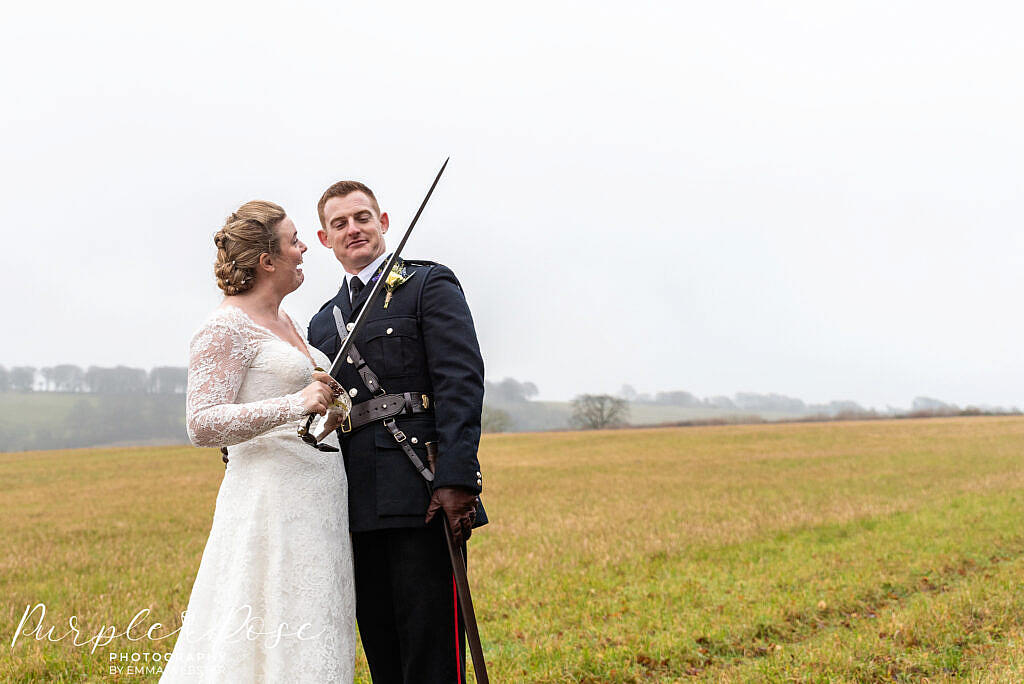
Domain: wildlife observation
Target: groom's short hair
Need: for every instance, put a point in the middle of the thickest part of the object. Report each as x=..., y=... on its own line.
x=341, y=189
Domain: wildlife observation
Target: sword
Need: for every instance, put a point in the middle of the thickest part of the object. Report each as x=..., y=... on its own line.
x=458, y=561
x=304, y=431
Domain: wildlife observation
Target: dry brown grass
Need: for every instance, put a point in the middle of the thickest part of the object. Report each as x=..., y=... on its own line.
x=618, y=556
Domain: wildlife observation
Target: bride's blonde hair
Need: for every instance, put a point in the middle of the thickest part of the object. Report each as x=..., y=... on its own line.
x=249, y=232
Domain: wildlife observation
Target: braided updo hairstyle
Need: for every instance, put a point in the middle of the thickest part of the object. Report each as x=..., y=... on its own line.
x=247, y=233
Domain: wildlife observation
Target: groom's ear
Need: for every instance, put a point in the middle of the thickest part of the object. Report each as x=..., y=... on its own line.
x=322, y=234
x=384, y=222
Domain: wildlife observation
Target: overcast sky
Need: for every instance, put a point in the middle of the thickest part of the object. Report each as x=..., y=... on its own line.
x=817, y=199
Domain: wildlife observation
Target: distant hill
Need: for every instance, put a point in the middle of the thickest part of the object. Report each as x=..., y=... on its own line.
x=63, y=420
x=554, y=415
x=60, y=420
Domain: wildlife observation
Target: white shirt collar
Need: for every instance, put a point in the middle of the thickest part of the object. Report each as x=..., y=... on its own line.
x=366, y=273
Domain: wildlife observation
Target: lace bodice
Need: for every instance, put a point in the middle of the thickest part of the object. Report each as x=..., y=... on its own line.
x=242, y=380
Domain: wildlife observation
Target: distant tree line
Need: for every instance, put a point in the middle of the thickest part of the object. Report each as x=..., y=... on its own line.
x=60, y=421
x=509, y=390
x=508, y=406
x=741, y=401
x=503, y=399
x=94, y=379
x=751, y=403
x=169, y=380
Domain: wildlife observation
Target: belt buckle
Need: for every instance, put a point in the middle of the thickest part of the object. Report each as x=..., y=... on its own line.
x=426, y=401
x=348, y=421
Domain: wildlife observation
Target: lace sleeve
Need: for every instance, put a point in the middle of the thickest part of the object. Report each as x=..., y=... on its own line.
x=218, y=359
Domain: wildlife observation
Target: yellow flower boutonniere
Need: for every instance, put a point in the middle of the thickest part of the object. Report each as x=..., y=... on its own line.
x=396, y=279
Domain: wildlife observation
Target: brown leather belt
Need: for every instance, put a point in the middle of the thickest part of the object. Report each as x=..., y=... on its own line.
x=384, y=407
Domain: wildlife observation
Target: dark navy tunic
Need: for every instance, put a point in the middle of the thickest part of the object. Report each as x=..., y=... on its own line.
x=424, y=342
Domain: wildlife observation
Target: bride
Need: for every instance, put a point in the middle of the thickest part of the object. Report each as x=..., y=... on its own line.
x=274, y=599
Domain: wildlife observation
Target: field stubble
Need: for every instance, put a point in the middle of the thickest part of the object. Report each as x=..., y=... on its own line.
x=862, y=551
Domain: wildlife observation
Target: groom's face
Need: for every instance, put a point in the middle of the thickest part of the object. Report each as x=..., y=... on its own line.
x=354, y=231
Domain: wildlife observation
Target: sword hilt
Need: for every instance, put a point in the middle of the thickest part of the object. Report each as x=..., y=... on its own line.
x=304, y=430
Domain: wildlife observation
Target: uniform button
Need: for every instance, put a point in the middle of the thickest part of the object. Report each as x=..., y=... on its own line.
x=479, y=483
x=349, y=359
x=414, y=440
x=349, y=326
x=353, y=392
x=390, y=330
x=478, y=473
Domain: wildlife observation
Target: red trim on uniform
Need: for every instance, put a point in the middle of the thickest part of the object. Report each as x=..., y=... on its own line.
x=458, y=656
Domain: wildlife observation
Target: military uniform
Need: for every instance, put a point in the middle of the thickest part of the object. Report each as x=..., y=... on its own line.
x=423, y=346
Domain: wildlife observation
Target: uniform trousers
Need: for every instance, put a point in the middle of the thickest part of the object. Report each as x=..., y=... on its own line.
x=407, y=607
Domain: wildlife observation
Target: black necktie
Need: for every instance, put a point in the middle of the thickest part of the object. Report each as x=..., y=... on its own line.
x=355, y=287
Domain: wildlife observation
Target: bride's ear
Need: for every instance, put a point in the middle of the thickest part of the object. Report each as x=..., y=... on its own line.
x=266, y=262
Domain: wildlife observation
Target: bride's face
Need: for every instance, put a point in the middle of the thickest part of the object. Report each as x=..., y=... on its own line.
x=287, y=265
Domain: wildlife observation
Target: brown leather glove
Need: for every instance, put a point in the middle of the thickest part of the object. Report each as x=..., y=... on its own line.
x=460, y=508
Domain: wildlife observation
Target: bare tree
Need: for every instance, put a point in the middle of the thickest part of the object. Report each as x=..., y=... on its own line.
x=596, y=411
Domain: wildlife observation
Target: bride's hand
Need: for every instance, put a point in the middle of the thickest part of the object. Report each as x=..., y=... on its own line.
x=318, y=395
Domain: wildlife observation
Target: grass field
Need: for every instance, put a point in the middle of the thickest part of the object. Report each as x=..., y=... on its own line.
x=855, y=551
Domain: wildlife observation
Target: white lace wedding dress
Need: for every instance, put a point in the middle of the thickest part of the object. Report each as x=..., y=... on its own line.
x=274, y=598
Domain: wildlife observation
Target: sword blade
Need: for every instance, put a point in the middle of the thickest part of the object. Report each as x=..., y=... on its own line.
x=374, y=291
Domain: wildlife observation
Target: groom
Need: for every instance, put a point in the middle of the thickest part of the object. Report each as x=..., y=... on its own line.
x=420, y=343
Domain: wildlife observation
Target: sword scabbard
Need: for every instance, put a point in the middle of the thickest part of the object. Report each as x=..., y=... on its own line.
x=461, y=585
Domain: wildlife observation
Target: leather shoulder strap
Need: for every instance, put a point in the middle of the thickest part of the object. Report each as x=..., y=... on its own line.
x=373, y=384
x=370, y=378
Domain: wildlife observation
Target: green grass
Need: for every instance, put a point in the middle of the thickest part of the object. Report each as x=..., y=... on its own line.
x=860, y=551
